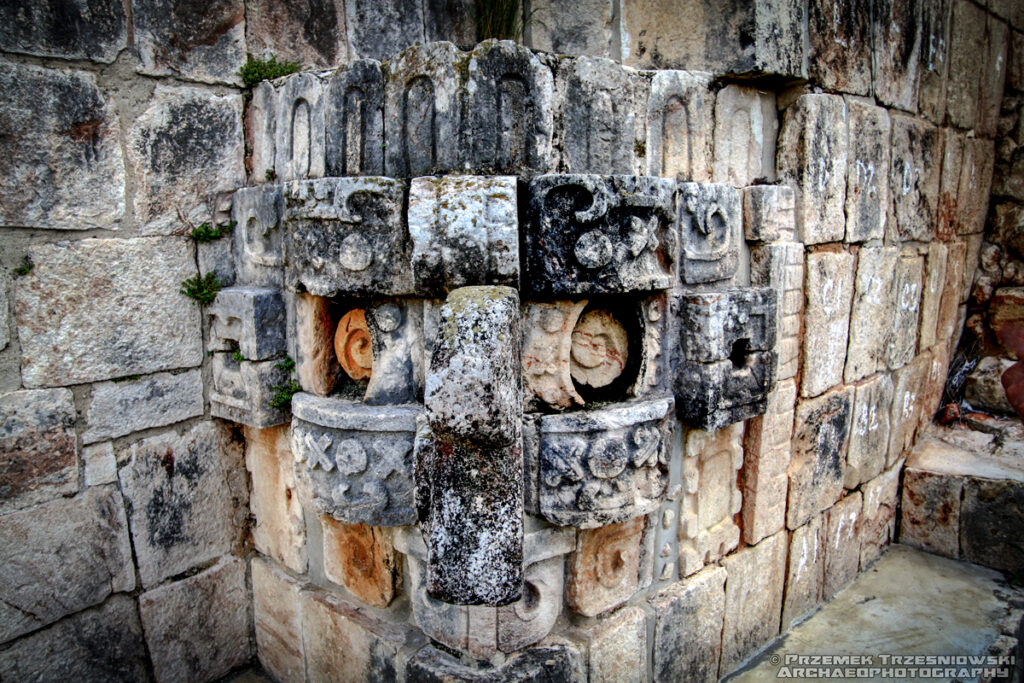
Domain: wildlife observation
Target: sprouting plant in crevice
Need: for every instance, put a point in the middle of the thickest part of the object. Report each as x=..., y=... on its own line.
x=237, y=356
x=288, y=364
x=270, y=174
x=282, y=398
x=24, y=269
x=502, y=19
x=202, y=288
x=255, y=70
x=204, y=232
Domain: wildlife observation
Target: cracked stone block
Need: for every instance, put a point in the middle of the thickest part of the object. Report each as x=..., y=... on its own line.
x=746, y=125
x=186, y=147
x=828, y=294
x=931, y=296
x=993, y=76
x=842, y=544
x=990, y=514
x=464, y=231
x=975, y=186
x=198, y=628
x=755, y=577
x=183, y=499
x=711, y=497
x=195, y=42
x=906, y=285
x=347, y=236
x=299, y=134
x=510, y=110
x=597, y=234
x=316, y=362
x=242, y=391
x=934, y=56
x=356, y=459
x=105, y=643
x=605, y=112
x=897, y=37
x=279, y=530
x=38, y=453
x=139, y=325
x=94, y=30
x=710, y=231
x=871, y=321
x=805, y=577
x=766, y=452
x=878, y=516
x=92, y=533
x=362, y=559
x=769, y=213
x=603, y=572
x=277, y=620
x=967, y=55
x=914, y=179
x=867, y=187
x=542, y=663
x=905, y=414
x=688, y=618
x=618, y=647
x=561, y=29
x=821, y=436
x=680, y=125
x=354, y=118
x=66, y=148
x=258, y=236
x=839, y=51
x=781, y=267
x=930, y=513
x=716, y=326
x=606, y=465
x=119, y=408
x=422, y=121
x=311, y=34
x=379, y=29
x=869, y=437
x=812, y=158
x=249, y=320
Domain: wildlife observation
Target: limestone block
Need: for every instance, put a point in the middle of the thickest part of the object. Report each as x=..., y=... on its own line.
x=842, y=544
x=453, y=20
x=547, y=348
x=69, y=337
x=975, y=186
x=688, y=618
x=422, y=123
x=746, y=124
x=5, y=318
x=67, y=148
x=554, y=662
x=183, y=506
x=618, y=647
x=397, y=346
x=604, y=112
x=596, y=234
x=216, y=257
x=248, y=319
x=680, y=125
x=35, y=589
x=587, y=28
x=896, y=37
x=242, y=391
x=94, y=30
x=829, y=294
x=313, y=35
x=38, y=454
x=606, y=465
x=909, y=381
x=946, y=329
x=906, y=284
x=753, y=598
x=736, y=37
x=510, y=110
x=781, y=267
x=464, y=231
x=913, y=179
x=98, y=464
x=952, y=142
x=874, y=304
x=983, y=389
x=821, y=435
x=119, y=408
x=354, y=118
x=603, y=572
x=258, y=236
x=930, y=514
x=279, y=530
x=769, y=213
x=931, y=296
x=869, y=438
x=300, y=129
x=377, y=30
x=316, y=362
x=100, y=644
x=711, y=496
x=839, y=52
x=347, y=236
x=277, y=620
x=813, y=159
x=720, y=325
x=990, y=514
x=766, y=453
x=185, y=148
x=993, y=75
x=878, y=516
x=357, y=460
x=710, y=231
x=967, y=55
x=806, y=576
x=203, y=43
x=867, y=189
x=362, y=559
x=198, y=628
x=261, y=131
x=713, y=395
x=935, y=384
x=934, y=56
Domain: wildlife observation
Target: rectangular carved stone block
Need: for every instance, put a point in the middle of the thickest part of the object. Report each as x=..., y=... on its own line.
x=967, y=55
x=299, y=132
x=842, y=544
x=931, y=298
x=464, y=231
x=867, y=186
x=599, y=234
x=869, y=437
x=242, y=391
x=905, y=414
x=604, y=466
x=618, y=647
x=781, y=267
x=726, y=324
x=258, y=236
x=279, y=529
x=993, y=76
x=878, y=516
x=604, y=570
x=123, y=407
x=829, y=291
x=914, y=179
x=710, y=231
x=680, y=113
x=755, y=578
x=974, y=186
x=362, y=559
x=746, y=123
x=873, y=308
x=896, y=37
x=930, y=514
x=316, y=362
x=378, y=29
x=990, y=515
x=806, y=575
x=821, y=437
x=906, y=297
x=769, y=213
x=712, y=395
x=688, y=627
x=839, y=54
x=354, y=118
x=248, y=319
x=934, y=55
x=356, y=459
x=277, y=621
x=766, y=454
x=347, y=236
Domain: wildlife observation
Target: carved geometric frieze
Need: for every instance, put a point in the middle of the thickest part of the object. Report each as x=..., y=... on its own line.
x=710, y=229
x=248, y=319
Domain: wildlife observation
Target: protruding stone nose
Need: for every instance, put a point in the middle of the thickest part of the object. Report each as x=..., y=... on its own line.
x=469, y=454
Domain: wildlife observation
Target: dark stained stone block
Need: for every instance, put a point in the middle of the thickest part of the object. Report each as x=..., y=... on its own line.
x=355, y=120
x=89, y=29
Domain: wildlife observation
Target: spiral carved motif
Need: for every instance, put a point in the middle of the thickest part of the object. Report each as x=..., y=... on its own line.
x=352, y=345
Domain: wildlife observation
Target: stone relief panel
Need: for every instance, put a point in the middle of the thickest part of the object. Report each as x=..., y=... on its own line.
x=354, y=143
x=299, y=129
x=710, y=229
x=258, y=236
x=250, y=320
x=241, y=391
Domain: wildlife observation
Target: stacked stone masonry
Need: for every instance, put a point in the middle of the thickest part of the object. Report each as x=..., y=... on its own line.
x=607, y=348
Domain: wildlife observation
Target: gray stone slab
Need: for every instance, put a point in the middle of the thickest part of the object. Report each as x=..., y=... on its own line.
x=245, y=391
x=907, y=283
x=871, y=320
x=377, y=30
x=993, y=76
x=38, y=454
x=250, y=320
x=867, y=186
x=258, y=237
x=869, y=437
x=586, y=28
x=839, y=51
x=967, y=55
x=990, y=514
x=769, y=213
x=829, y=293
x=755, y=578
x=934, y=56
x=746, y=126
x=312, y=34
x=914, y=179
x=896, y=37
x=193, y=41
x=119, y=408
x=688, y=627
x=821, y=436
x=94, y=29
x=354, y=139
x=299, y=130
x=716, y=325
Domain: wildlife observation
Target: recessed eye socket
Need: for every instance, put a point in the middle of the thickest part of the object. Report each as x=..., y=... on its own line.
x=740, y=353
x=606, y=351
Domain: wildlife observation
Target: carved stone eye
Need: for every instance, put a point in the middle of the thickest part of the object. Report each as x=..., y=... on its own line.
x=593, y=250
x=356, y=253
x=352, y=345
x=608, y=459
x=600, y=349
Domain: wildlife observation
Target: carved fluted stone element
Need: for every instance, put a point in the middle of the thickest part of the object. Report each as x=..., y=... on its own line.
x=469, y=451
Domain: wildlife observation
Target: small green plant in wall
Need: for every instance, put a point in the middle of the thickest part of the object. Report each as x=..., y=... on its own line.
x=282, y=398
x=205, y=233
x=202, y=288
x=256, y=70
x=24, y=269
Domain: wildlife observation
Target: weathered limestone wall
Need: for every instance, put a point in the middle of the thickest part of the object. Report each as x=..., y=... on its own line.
x=150, y=539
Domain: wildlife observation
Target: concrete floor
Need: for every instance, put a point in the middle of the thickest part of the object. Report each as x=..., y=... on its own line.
x=908, y=603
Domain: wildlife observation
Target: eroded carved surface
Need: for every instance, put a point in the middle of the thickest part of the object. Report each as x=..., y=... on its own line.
x=354, y=142
x=241, y=391
x=248, y=319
